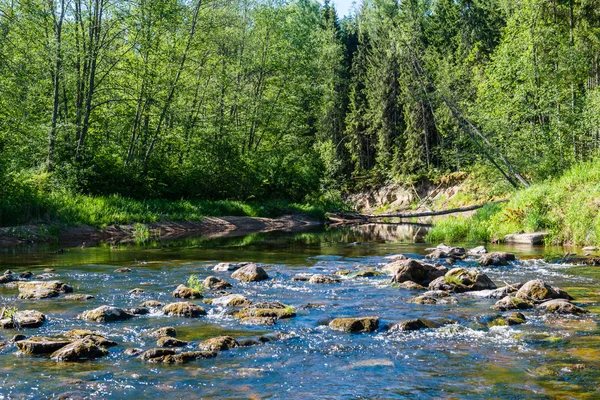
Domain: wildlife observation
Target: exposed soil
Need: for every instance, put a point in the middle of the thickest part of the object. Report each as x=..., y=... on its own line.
x=210, y=227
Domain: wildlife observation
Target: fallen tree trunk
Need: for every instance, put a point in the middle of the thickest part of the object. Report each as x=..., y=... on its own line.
x=431, y=213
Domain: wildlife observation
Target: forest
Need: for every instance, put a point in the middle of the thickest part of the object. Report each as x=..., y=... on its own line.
x=261, y=100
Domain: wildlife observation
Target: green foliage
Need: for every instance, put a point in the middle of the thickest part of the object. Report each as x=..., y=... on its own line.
x=196, y=284
x=465, y=229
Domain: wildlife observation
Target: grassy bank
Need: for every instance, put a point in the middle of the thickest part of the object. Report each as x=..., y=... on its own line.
x=67, y=208
x=567, y=208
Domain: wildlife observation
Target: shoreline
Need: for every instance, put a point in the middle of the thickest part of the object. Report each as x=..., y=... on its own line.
x=208, y=227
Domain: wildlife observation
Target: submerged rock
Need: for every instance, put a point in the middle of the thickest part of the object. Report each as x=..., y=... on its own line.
x=136, y=291
x=536, y=291
x=413, y=325
x=496, y=258
x=184, y=292
x=152, y=304
x=355, y=325
x=164, y=331
x=81, y=349
x=215, y=283
x=156, y=353
x=79, y=297
x=561, y=306
x=271, y=309
x=266, y=321
x=23, y=319
x=105, y=314
x=250, y=273
x=232, y=300
x=167, y=341
x=174, y=358
x=416, y=271
x=42, y=289
x=365, y=273
x=41, y=345
x=184, y=309
x=459, y=280
x=318, y=278
x=219, y=343
x=512, y=319
x=123, y=270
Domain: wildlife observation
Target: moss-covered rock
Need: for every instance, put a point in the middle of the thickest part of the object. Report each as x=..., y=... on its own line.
x=511, y=303
x=459, y=280
x=270, y=309
x=41, y=345
x=167, y=341
x=355, y=325
x=184, y=309
x=164, y=331
x=42, y=289
x=184, y=292
x=232, y=300
x=86, y=348
x=413, y=325
x=105, y=314
x=219, y=343
x=536, y=291
x=215, y=283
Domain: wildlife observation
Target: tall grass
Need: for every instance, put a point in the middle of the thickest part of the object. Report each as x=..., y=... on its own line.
x=28, y=205
x=568, y=208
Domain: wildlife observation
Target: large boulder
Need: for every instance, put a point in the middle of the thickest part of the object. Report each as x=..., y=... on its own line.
x=418, y=272
x=105, y=314
x=355, y=325
x=23, y=319
x=42, y=289
x=561, y=306
x=267, y=309
x=184, y=292
x=250, y=273
x=184, y=309
x=496, y=258
x=536, y=291
x=232, y=300
x=215, y=283
x=318, y=278
x=219, y=343
x=81, y=349
x=459, y=280
x=41, y=345
x=413, y=325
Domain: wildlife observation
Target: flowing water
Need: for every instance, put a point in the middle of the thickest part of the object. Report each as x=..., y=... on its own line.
x=548, y=357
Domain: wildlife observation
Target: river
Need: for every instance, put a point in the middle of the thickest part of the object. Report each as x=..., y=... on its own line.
x=547, y=357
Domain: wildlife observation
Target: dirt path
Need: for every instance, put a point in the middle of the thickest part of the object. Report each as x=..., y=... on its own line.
x=208, y=227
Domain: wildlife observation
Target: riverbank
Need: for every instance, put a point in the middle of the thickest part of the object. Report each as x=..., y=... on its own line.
x=567, y=208
x=87, y=235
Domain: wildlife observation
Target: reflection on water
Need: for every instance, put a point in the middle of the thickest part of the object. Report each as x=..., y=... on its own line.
x=549, y=357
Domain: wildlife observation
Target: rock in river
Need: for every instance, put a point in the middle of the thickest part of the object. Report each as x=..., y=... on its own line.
x=79, y=297
x=81, y=349
x=225, y=266
x=232, y=300
x=459, y=280
x=219, y=343
x=511, y=303
x=184, y=292
x=24, y=319
x=164, y=331
x=561, y=306
x=105, y=314
x=355, y=325
x=413, y=325
x=272, y=309
x=215, y=283
x=42, y=289
x=41, y=345
x=167, y=341
x=496, y=258
x=250, y=273
x=536, y=291
x=416, y=271
x=184, y=309
x=318, y=278
x=443, y=251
